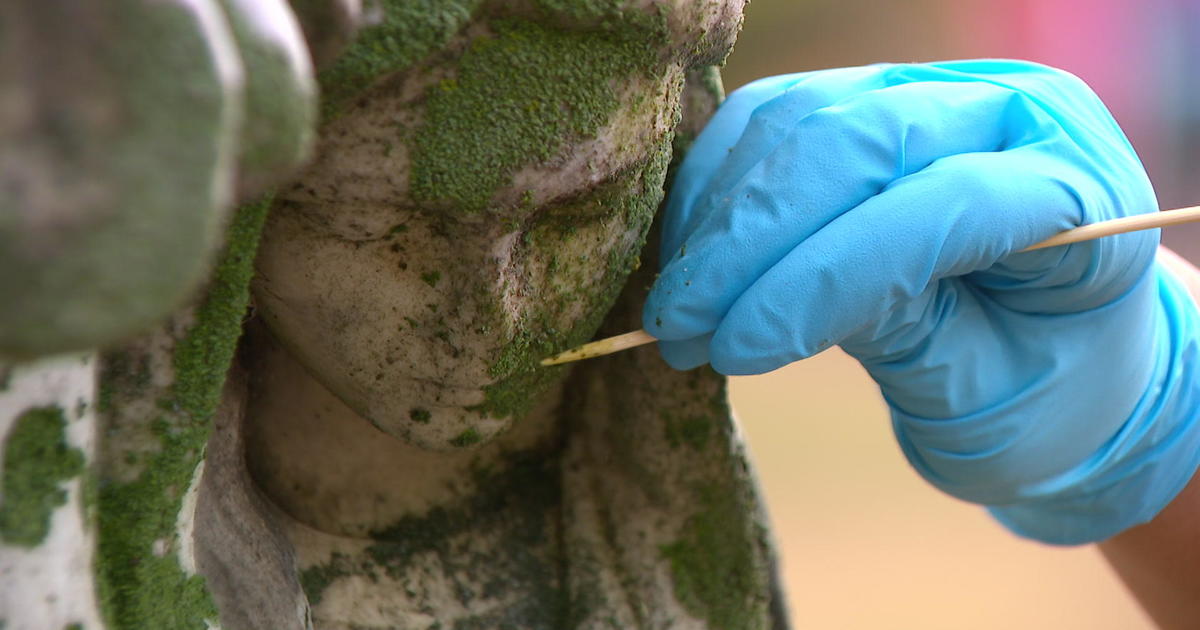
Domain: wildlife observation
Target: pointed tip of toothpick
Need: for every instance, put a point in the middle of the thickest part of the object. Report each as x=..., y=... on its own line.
x=601, y=347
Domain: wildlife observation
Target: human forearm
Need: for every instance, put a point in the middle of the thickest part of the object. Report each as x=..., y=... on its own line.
x=1160, y=560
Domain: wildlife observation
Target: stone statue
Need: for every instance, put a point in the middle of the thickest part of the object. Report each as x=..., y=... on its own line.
x=382, y=449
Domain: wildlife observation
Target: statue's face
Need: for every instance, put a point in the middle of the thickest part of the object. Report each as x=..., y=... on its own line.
x=478, y=212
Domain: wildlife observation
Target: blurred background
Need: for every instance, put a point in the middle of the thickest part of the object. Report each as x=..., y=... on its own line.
x=865, y=542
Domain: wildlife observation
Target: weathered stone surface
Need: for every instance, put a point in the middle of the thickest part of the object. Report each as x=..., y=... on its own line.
x=119, y=123
x=240, y=546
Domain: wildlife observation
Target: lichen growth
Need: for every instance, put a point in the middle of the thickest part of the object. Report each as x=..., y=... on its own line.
x=407, y=32
x=139, y=588
x=37, y=460
x=516, y=99
x=419, y=415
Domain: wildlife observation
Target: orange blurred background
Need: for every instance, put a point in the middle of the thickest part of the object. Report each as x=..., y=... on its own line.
x=865, y=542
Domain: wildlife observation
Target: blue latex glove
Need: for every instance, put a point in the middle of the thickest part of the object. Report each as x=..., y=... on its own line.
x=880, y=209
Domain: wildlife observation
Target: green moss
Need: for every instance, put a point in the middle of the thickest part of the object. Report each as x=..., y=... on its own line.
x=587, y=10
x=712, y=563
x=418, y=415
x=203, y=357
x=518, y=97
x=466, y=438
x=139, y=588
x=37, y=460
x=409, y=30
x=73, y=626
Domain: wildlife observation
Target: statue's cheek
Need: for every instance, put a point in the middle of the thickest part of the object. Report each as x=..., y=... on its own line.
x=434, y=331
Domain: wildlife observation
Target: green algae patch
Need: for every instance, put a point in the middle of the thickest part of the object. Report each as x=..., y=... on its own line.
x=37, y=460
x=315, y=579
x=517, y=98
x=469, y=437
x=713, y=565
x=692, y=431
x=516, y=501
x=142, y=584
x=431, y=278
x=409, y=30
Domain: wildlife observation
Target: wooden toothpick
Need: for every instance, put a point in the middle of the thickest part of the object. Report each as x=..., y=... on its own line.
x=601, y=347
x=1120, y=226
x=1074, y=235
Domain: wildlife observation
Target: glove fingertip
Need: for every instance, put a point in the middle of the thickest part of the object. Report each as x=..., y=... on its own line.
x=675, y=310
x=687, y=353
x=738, y=357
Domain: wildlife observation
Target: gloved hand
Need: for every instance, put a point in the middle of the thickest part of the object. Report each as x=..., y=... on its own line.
x=882, y=209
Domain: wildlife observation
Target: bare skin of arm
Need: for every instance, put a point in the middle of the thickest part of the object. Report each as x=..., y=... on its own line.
x=1160, y=560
